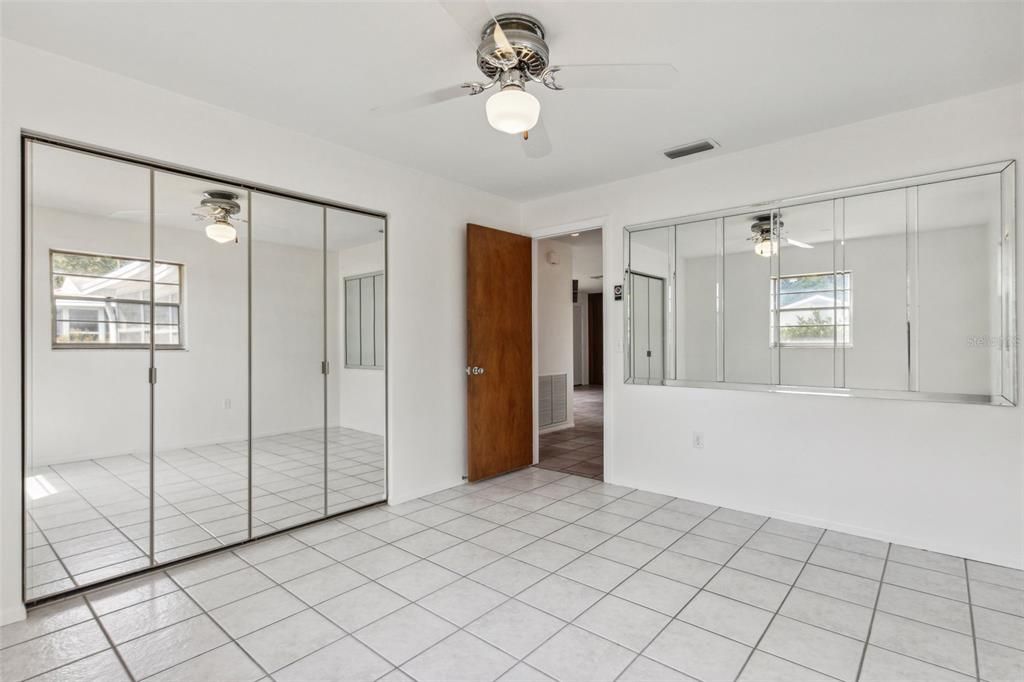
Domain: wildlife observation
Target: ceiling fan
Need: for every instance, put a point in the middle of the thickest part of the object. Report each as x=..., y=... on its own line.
x=761, y=234
x=219, y=207
x=511, y=53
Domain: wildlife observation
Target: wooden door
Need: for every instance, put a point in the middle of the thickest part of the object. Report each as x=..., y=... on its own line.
x=499, y=316
x=595, y=338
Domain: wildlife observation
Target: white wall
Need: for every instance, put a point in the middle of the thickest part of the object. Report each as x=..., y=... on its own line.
x=426, y=222
x=941, y=476
x=554, y=317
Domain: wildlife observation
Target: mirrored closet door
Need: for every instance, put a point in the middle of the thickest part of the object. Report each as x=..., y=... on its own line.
x=88, y=333
x=288, y=363
x=204, y=364
x=356, y=345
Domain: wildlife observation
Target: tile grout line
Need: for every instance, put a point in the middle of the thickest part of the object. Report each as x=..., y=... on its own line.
x=672, y=618
x=970, y=612
x=110, y=639
x=606, y=593
x=771, y=620
x=874, y=612
x=204, y=612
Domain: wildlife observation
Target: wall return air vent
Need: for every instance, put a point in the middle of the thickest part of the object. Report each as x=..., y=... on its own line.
x=692, y=148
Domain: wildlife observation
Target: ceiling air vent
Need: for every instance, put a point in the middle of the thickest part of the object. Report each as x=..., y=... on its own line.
x=692, y=148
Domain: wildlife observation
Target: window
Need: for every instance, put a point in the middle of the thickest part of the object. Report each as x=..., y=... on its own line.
x=364, y=321
x=814, y=310
x=103, y=301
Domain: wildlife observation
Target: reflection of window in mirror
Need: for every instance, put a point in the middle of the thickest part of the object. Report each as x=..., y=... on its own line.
x=364, y=319
x=814, y=311
x=102, y=301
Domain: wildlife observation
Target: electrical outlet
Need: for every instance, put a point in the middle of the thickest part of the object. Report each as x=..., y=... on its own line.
x=698, y=440
x=227, y=403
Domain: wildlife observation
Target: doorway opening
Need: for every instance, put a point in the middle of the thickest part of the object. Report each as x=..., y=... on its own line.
x=570, y=353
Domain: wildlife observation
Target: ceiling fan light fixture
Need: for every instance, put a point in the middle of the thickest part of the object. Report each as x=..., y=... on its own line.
x=221, y=231
x=512, y=110
x=766, y=248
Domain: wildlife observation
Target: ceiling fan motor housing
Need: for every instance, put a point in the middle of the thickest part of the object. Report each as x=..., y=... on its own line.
x=224, y=202
x=525, y=34
x=761, y=228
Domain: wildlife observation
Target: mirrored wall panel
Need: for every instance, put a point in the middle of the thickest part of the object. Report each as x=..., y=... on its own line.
x=899, y=289
x=205, y=364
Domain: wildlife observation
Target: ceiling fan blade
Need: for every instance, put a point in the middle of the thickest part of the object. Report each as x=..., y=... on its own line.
x=798, y=244
x=471, y=16
x=502, y=42
x=424, y=100
x=615, y=76
x=537, y=143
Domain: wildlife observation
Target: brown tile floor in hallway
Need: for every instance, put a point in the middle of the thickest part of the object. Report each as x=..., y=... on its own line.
x=579, y=450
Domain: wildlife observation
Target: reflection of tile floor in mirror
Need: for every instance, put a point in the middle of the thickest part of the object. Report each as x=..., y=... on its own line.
x=579, y=450
x=95, y=525
x=538, y=575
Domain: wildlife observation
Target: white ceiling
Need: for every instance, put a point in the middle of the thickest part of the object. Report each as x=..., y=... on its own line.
x=750, y=73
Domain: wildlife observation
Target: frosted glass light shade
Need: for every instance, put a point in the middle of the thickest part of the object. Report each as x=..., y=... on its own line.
x=766, y=248
x=512, y=111
x=221, y=232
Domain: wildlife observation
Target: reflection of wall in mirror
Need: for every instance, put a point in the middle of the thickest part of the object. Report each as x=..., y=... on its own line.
x=99, y=398
x=958, y=300
x=360, y=393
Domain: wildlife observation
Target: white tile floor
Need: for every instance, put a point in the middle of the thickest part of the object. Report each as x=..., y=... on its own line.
x=540, y=575
x=95, y=525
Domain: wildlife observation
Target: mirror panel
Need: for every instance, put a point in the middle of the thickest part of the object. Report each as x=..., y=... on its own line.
x=747, y=312
x=809, y=296
x=958, y=301
x=697, y=300
x=201, y=411
x=88, y=326
x=873, y=251
x=288, y=347
x=356, y=384
x=649, y=271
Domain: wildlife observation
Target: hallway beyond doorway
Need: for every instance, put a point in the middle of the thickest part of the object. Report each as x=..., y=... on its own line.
x=580, y=449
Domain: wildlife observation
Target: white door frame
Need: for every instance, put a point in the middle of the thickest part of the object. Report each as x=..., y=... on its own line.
x=597, y=223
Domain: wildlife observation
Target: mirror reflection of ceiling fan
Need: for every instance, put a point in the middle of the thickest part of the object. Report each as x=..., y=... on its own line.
x=761, y=234
x=511, y=52
x=217, y=209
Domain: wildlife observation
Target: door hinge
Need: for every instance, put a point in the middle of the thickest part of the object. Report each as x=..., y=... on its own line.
x=152, y=375
x=325, y=367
